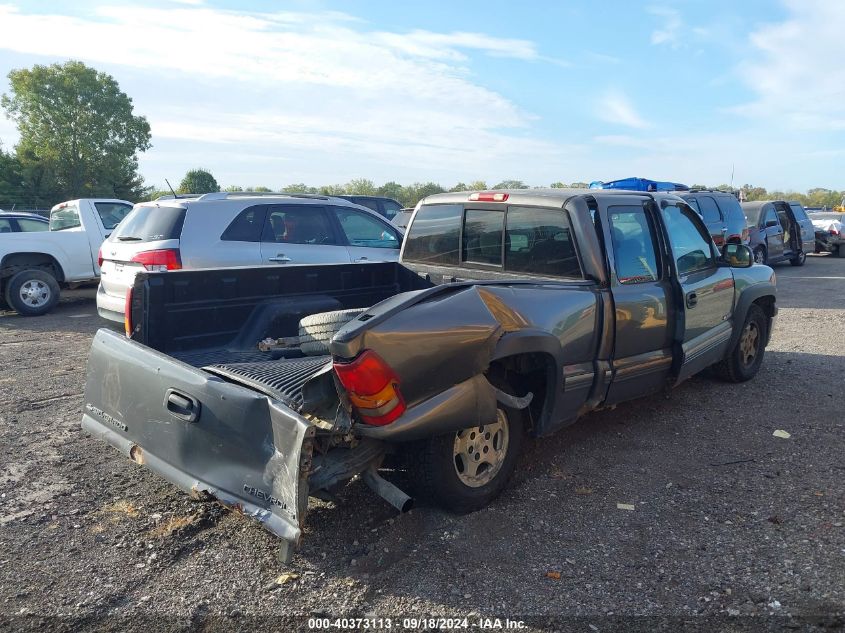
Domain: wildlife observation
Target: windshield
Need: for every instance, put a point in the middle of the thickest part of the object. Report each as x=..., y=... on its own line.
x=150, y=224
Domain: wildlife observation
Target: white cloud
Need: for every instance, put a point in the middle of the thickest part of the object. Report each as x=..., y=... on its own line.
x=796, y=69
x=615, y=107
x=669, y=29
x=288, y=82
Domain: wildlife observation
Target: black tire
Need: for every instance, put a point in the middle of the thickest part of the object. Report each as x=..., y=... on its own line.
x=44, y=296
x=317, y=330
x=434, y=473
x=799, y=259
x=737, y=367
x=760, y=255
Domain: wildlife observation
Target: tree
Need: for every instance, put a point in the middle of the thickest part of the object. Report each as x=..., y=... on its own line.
x=579, y=185
x=558, y=185
x=233, y=188
x=260, y=189
x=300, y=188
x=391, y=190
x=332, y=190
x=511, y=184
x=459, y=187
x=198, y=181
x=477, y=185
x=78, y=125
x=361, y=187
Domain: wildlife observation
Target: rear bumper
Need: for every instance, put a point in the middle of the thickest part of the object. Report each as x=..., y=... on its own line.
x=110, y=307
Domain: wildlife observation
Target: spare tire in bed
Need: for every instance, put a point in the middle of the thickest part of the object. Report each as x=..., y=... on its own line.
x=316, y=330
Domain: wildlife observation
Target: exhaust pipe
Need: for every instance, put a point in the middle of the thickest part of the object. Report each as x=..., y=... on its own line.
x=387, y=490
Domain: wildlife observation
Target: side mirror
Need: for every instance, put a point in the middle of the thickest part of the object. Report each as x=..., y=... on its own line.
x=738, y=255
x=771, y=223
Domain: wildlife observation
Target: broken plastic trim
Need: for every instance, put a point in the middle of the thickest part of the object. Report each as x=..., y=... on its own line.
x=514, y=402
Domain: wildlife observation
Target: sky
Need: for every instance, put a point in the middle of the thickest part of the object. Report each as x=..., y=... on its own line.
x=272, y=93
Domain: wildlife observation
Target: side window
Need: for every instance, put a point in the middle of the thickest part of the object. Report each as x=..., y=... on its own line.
x=483, y=237
x=297, y=224
x=798, y=212
x=693, y=202
x=434, y=235
x=690, y=241
x=709, y=210
x=64, y=218
x=771, y=217
x=6, y=226
x=540, y=241
x=391, y=208
x=27, y=225
x=362, y=230
x=369, y=203
x=111, y=213
x=633, y=244
x=247, y=226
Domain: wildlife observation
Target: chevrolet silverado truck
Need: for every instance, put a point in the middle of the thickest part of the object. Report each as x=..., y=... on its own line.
x=34, y=265
x=510, y=313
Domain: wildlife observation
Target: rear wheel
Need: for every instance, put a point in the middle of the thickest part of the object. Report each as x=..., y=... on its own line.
x=799, y=259
x=760, y=255
x=464, y=471
x=744, y=360
x=32, y=292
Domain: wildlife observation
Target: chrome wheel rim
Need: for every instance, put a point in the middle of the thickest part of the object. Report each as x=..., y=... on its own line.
x=759, y=257
x=480, y=451
x=34, y=293
x=748, y=343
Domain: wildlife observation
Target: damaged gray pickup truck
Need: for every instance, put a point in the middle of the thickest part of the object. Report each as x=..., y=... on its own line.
x=510, y=313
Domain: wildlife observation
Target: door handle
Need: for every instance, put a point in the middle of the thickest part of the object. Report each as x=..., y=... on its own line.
x=362, y=259
x=281, y=257
x=692, y=299
x=182, y=406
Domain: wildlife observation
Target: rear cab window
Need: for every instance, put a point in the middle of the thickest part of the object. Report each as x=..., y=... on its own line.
x=65, y=217
x=515, y=239
x=150, y=224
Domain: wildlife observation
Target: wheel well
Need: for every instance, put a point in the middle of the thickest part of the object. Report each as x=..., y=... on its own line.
x=16, y=262
x=767, y=303
x=530, y=372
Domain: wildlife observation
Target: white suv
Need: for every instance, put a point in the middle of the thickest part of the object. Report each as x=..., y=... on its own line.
x=222, y=230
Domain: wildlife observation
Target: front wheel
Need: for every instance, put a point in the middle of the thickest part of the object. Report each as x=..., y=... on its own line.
x=760, y=255
x=32, y=292
x=466, y=470
x=743, y=361
x=799, y=259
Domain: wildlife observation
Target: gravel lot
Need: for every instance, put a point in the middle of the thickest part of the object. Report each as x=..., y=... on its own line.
x=728, y=520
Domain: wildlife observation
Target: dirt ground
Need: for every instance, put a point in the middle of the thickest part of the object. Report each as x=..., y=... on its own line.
x=729, y=525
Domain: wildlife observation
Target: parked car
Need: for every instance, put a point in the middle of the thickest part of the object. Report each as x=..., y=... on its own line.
x=828, y=228
x=779, y=231
x=20, y=222
x=639, y=184
x=34, y=265
x=510, y=313
x=722, y=214
x=403, y=218
x=385, y=207
x=238, y=229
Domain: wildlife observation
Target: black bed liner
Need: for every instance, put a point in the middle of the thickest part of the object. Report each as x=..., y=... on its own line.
x=281, y=379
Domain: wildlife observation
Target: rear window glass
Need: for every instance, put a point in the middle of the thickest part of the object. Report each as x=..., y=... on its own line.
x=247, y=226
x=483, y=237
x=709, y=210
x=64, y=218
x=434, y=235
x=752, y=214
x=150, y=224
x=27, y=225
x=111, y=213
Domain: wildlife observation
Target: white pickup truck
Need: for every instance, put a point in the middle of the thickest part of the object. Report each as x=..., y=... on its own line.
x=33, y=266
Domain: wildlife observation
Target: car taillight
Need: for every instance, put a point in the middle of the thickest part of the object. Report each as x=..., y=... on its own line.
x=834, y=231
x=488, y=196
x=164, y=259
x=127, y=313
x=100, y=258
x=372, y=386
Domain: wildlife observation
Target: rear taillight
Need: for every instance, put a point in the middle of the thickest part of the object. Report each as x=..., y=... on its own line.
x=373, y=388
x=834, y=231
x=164, y=259
x=127, y=313
x=100, y=258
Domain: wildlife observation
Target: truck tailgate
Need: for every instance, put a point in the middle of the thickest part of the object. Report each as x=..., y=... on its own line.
x=205, y=435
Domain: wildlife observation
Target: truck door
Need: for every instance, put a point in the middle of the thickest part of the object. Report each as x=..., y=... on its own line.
x=705, y=290
x=774, y=232
x=642, y=297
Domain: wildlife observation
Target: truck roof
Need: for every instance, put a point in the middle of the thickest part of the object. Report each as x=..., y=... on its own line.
x=545, y=197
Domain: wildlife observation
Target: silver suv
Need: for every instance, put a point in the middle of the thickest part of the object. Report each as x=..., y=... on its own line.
x=223, y=230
